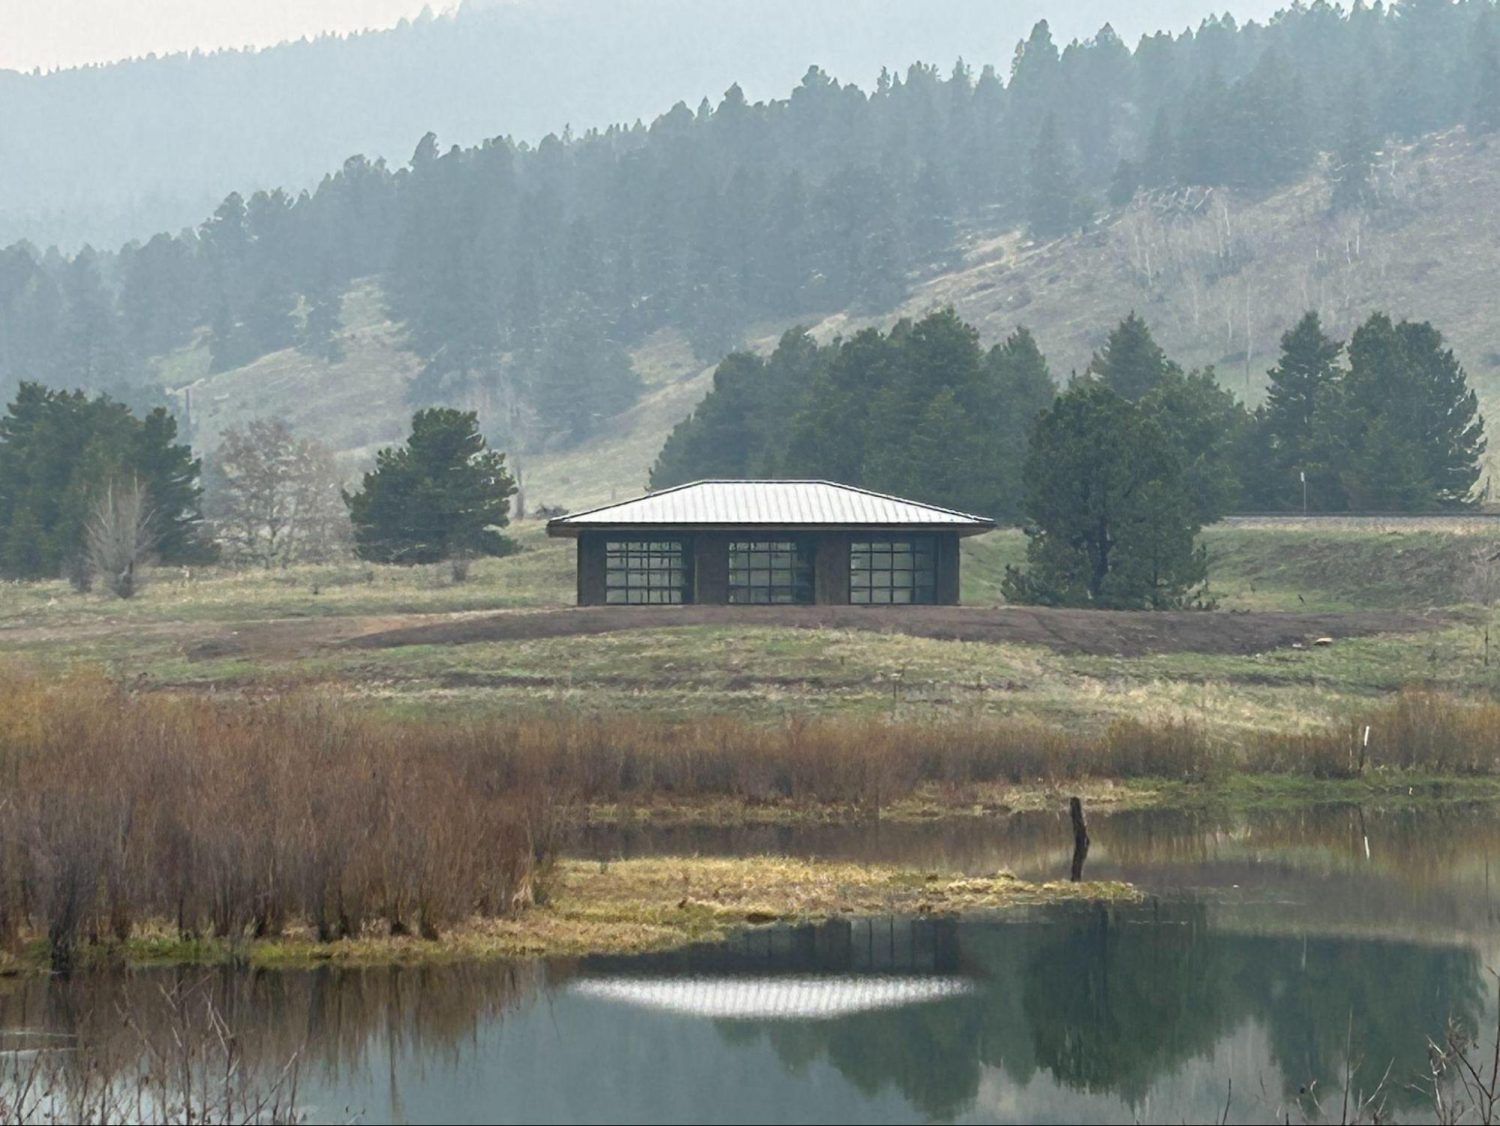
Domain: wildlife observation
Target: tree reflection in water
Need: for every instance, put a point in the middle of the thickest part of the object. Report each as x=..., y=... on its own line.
x=1113, y=1003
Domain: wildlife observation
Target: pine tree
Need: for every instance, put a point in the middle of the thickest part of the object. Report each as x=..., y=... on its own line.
x=225, y=349
x=1302, y=380
x=92, y=354
x=269, y=324
x=59, y=448
x=1021, y=388
x=443, y=495
x=1159, y=164
x=160, y=300
x=1205, y=426
x=1112, y=521
x=1124, y=183
x=1354, y=162
x=719, y=438
x=171, y=475
x=319, y=336
x=581, y=377
x=1053, y=206
x=830, y=434
x=942, y=464
x=1131, y=363
x=1413, y=430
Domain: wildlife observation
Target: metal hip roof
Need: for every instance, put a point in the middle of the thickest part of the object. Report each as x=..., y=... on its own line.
x=769, y=503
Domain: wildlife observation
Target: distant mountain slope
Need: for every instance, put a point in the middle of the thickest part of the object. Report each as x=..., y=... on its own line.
x=106, y=154
x=1220, y=276
x=1209, y=270
x=359, y=404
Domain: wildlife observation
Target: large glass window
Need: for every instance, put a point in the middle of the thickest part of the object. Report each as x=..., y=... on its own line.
x=892, y=570
x=770, y=571
x=646, y=572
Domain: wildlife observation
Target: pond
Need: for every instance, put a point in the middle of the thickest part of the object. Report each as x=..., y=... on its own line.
x=1275, y=954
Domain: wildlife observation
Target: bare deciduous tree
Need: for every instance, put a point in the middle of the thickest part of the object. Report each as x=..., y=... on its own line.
x=274, y=498
x=119, y=535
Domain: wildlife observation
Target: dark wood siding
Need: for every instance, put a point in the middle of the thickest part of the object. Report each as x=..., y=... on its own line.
x=947, y=569
x=591, y=569
x=711, y=566
x=831, y=570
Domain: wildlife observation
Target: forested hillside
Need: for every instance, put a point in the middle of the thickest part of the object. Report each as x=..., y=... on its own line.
x=105, y=154
x=1222, y=181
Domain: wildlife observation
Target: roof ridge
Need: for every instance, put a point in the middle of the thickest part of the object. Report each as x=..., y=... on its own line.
x=936, y=509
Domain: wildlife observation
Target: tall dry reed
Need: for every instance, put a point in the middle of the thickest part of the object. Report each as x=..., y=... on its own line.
x=231, y=818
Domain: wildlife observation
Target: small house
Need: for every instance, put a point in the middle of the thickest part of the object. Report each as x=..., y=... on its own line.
x=768, y=543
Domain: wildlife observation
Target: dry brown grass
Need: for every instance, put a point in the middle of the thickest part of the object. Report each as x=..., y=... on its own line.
x=232, y=819
x=1428, y=732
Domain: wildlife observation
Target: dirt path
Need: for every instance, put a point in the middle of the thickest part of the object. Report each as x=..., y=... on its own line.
x=1096, y=632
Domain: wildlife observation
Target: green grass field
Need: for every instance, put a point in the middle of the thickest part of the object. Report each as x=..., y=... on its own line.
x=276, y=631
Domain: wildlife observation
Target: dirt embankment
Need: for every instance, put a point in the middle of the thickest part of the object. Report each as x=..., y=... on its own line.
x=1092, y=632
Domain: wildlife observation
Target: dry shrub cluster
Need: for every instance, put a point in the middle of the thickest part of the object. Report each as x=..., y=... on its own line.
x=1417, y=731
x=860, y=761
x=233, y=819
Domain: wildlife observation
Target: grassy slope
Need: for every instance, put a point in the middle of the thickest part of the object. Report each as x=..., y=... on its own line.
x=359, y=403
x=1215, y=276
x=191, y=633
x=1204, y=272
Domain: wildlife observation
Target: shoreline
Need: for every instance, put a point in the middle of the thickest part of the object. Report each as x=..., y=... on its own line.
x=619, y=907
x=591, y=907
x=1233, y=793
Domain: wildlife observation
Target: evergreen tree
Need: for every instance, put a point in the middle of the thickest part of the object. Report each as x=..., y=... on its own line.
x=160, y=299
x=581, y=377
x=1053, y=207
x=1125, y=183
x=1021, y=389
x=223, y=338
x=171, y=476
x=92, y=353
x=1112, y=520
x=1159, y=164
x=443, y=495
x=941, y=467
x=1412, y=421
x=1354, y=161
x=1131, y=363
x=1205, y=426
x=703, y=223
x=718, y=439
x=269, y=324
x=319, y=336
x=1205, y=143
x=830, y=432
x=1302, y=381
x=59, y=449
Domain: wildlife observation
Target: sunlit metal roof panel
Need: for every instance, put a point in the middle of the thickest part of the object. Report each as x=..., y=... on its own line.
x=779, y=504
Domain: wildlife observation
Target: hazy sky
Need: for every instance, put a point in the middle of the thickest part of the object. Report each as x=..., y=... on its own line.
x=53, y=33
x=65, y=33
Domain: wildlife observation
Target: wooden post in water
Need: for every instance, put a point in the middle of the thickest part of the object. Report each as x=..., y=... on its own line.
x=1080, y=837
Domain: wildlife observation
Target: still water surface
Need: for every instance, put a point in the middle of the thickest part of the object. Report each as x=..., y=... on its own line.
x=1274, y=949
